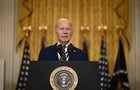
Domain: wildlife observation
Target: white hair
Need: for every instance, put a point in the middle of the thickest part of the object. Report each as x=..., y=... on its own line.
x=63, y=19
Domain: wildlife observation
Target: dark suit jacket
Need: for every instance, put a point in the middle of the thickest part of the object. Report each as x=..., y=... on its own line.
x=50, y=53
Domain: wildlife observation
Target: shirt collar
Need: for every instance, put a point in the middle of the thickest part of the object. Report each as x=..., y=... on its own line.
x=58, y=43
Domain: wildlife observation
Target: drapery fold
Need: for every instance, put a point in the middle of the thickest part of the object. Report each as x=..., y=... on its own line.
x=92, y=13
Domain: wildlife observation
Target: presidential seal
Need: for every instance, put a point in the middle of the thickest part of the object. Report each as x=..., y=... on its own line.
x=63, y=78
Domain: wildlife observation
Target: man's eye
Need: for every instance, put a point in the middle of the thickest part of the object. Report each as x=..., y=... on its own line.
x=61, y=28
x=68, y=29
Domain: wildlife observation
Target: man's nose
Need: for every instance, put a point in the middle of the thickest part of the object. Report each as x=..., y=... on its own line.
x=65, y=31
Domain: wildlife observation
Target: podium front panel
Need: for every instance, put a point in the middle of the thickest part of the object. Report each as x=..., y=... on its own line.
x=40, y=71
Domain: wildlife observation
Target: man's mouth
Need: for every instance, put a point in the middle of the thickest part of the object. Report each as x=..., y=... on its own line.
x=64, y=36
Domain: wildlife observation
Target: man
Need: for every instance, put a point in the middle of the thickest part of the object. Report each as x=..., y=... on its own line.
x=63, y=50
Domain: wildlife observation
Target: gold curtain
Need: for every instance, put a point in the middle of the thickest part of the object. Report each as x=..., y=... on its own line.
x=92, y=13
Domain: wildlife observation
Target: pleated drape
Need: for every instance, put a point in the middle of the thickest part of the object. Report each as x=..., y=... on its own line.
x=91, y=13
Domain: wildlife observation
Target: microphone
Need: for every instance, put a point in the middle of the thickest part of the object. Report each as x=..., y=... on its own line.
x=70, y=48
x=59, y=48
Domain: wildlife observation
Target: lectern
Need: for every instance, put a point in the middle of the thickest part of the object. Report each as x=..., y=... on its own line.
x=54, y=75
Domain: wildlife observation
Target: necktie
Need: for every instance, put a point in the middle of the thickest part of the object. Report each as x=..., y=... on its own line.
x=62, y=53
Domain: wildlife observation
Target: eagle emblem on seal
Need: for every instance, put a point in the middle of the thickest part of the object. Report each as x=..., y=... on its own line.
x=63, y=78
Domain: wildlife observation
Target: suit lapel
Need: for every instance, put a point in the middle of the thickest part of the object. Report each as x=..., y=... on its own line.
x=55, y=53
x=72, y=54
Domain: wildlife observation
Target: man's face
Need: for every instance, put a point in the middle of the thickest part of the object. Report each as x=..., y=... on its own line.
x=64, y=31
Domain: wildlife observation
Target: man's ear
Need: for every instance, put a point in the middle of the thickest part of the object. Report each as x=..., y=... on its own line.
x=72, y=33
x=55, y=31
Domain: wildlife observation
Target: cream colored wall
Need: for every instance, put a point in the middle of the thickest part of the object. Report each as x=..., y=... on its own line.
x=8, y=11
x=2, y=74
x=134, y=61
x=7, y=42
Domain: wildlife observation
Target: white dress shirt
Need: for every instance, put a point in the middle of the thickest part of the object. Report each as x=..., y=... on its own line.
x=66, y=50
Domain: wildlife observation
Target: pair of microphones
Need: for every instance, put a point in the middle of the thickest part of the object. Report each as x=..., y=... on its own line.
x=70, y=48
